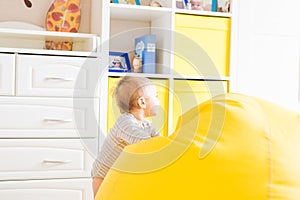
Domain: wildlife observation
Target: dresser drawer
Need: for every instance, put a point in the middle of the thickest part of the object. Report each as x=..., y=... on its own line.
x=65, y=189
x=44, y=158
x=7, y=74
x=56, y=76
x=48, y=117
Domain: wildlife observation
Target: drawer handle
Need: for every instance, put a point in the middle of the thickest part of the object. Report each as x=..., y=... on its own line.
x=57, y=161
x=58, y=79
x=57, y=120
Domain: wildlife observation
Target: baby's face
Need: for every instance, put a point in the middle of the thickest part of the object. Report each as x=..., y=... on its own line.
x=153, y=103
x=197, y=4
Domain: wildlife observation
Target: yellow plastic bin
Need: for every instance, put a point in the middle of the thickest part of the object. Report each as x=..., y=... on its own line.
x=202, y=45
x=189, y=93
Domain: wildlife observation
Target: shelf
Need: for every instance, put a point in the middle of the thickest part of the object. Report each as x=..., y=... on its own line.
x=160, y=76
x=137, y=13
x=203, y=13
x=168, y=76
x=48, y=52
x=28, y=41
x=209, y=78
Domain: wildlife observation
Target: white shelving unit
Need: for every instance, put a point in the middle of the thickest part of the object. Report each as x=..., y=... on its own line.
x=133, y=21
x=126, y=22
x=26, y=85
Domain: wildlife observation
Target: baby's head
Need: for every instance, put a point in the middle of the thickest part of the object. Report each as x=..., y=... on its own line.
x=137, y=93
x=197, y=4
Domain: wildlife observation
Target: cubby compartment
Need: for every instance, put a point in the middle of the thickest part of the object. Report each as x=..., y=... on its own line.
x=202, y=45
x=26, y=32
x=190, y=93
x=90, y=21
x=160, y=122
x=128, y=22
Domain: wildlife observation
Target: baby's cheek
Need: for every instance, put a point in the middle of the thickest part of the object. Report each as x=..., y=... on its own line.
x=157, y=102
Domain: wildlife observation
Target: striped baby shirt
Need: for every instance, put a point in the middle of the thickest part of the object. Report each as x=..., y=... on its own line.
x=126, y=130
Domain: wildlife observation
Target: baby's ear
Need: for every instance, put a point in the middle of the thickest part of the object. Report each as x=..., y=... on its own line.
x=141, y=102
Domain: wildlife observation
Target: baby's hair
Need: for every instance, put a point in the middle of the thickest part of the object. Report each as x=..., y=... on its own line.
x=128, y=89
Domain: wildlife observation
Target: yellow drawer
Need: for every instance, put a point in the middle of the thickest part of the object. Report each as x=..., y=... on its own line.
x=190, y=93
x=160, y=122
x=202, y=45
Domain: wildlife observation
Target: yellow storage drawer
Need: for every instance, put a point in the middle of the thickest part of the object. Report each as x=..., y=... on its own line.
x=160, y=122
x=202, y=45
x=189, y=93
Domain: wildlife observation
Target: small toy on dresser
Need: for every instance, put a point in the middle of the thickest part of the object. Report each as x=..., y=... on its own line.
x=145, y=49
x=136, y=64
x=62, y=16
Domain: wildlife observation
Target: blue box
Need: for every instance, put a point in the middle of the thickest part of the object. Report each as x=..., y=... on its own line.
x=145, y=48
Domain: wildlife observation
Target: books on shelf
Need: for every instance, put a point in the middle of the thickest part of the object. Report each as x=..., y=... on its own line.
x=145, y=49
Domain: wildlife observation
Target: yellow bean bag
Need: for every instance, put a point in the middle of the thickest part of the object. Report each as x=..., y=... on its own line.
x=232, y=147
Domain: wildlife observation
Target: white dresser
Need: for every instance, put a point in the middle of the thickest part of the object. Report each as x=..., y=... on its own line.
x=48, y=126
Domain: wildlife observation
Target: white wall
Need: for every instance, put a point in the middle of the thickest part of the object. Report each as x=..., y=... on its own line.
x=266, y=57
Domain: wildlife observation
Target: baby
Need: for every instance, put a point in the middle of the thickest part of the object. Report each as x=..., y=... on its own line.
x=137, y=99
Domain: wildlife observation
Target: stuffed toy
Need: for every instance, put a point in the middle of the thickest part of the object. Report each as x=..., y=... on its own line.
x=62, y=16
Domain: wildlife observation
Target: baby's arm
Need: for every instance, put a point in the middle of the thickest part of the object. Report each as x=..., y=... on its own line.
x=150, y=129
x=96, y=184
x=134, y=134
x=154, y=133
